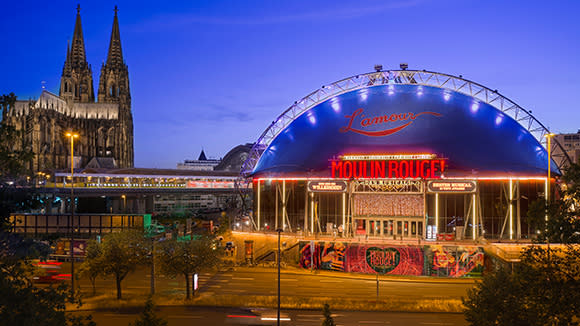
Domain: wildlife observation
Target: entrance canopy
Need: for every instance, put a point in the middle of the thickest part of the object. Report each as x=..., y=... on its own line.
x=474, y=135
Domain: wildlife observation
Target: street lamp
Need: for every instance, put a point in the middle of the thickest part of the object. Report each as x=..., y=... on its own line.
x=72, y=136
x=549, y=145
x=124, y=203
x=278, y=316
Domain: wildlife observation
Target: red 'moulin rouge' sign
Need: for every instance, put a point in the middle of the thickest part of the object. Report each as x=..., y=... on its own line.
x=381, y=169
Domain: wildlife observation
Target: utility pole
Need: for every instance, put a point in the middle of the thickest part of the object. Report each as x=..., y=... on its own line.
x=278, y=315
x=72, y=136
x=377, y=287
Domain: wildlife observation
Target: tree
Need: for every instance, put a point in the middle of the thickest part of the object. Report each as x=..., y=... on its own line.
x=21, y=302
x=328, y=320
x=563, y=214
x=187, y=258
x=544, y=289
x=92, y=266
x=120, y=254
x=148, y=316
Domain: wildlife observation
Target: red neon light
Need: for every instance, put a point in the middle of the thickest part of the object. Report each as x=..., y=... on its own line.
x=399, y=169
x=367, y=122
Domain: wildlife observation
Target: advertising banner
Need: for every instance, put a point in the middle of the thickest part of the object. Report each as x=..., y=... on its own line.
x=430, y=260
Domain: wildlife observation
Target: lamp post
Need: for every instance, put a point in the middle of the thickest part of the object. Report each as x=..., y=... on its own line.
x=72, y=136
x=124, y=203
x=549, y=145
x=278, y=315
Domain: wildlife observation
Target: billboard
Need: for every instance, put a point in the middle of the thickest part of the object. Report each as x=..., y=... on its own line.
x=429, y=260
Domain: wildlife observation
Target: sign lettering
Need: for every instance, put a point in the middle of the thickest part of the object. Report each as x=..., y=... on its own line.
x=400, y=169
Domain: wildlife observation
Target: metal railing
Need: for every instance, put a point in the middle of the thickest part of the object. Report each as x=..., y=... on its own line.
x=402, y=77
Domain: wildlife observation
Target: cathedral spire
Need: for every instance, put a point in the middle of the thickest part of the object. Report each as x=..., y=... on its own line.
x=67, y=66
x=76, y=82
x=78, y=55
x=115, y=55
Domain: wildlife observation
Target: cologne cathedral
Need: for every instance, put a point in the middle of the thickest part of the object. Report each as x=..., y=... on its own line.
x=104, y=126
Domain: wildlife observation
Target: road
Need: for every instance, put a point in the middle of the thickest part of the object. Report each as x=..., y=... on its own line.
x=263, y=282
x=178, y=316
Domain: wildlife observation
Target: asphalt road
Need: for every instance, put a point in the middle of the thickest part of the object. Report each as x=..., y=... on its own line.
x=263, y=281
x=178, y=316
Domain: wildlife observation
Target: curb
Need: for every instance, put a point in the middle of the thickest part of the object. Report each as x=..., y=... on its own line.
x=391, y=278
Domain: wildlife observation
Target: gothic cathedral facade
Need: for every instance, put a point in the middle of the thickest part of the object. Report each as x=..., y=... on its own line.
x=105, y=127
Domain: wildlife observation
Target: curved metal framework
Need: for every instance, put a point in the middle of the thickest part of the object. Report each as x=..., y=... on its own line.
x=403, y=77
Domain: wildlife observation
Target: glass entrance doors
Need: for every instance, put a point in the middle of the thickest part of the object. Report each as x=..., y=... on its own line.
x=390, y=227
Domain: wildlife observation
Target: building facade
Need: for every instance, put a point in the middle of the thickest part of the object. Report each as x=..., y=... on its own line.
x=570, y=144
x=105, y=126
x=402, y=154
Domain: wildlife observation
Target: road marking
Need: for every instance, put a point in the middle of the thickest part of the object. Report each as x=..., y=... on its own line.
x=227, y=274
x=215, y=286
x=372, y=322
x=138, y=287
x=184, y=316
x=222, y=281
x=243, y=278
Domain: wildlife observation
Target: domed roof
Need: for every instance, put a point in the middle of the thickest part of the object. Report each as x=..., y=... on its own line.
x=475, y=137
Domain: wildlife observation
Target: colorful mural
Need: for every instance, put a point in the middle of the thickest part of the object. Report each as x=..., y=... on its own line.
x=323, y=255
x=385, y=260
x=454, y=261
x=430, y=260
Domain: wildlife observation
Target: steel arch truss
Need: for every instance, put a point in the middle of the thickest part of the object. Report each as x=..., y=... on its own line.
x=404, y=77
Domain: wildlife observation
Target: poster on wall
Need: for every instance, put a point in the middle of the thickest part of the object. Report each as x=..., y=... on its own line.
x=371, y=259
x=430, y=260
x=453, y=261
x=323, y=255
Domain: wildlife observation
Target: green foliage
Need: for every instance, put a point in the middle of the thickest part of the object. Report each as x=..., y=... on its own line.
x=544, y=289
x=91, y=268
x=148, y=316
x=224, y=222
x=187, y=257
x=21, y=302
x=328, y=320
x=118, y=255
x=563, y=222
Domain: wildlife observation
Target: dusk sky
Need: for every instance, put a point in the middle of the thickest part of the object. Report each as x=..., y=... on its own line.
x=214, y=74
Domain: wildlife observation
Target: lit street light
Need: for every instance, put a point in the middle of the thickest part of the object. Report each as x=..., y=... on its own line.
x=72, y=136
x=124, y=203
x=549, y=147
x=278, y=315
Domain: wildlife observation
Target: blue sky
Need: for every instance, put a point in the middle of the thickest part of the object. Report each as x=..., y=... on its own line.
x=214, y=74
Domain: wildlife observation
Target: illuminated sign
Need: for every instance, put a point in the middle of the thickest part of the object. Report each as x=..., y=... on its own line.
x=392, y=169
x=210, y=184
x=327, y=186
x=358, y=119
x=395, y=185
x=388, y=157
x=452, y=186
